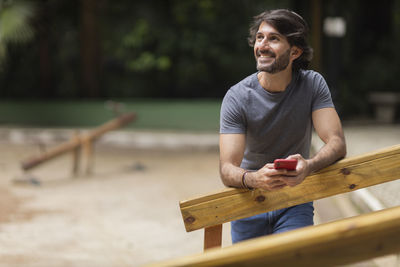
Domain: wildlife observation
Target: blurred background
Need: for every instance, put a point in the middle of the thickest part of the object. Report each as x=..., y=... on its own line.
x=67, y=65
x=172, y=61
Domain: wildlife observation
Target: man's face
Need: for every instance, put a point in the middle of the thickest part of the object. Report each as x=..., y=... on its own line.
x=271, y=50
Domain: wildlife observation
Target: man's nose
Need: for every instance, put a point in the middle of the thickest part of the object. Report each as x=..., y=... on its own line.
x=265, y=43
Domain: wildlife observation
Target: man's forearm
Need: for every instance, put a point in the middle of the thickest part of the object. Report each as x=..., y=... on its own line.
x=332, y=151
x=231, y=175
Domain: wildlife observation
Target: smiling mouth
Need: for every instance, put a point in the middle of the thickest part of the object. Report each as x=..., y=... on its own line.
x=265, y=58
x=265, y=54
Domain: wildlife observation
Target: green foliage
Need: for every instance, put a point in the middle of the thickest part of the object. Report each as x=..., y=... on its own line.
x=14, y=24
x=184, y=49
x=133, y=44
x=179, y=48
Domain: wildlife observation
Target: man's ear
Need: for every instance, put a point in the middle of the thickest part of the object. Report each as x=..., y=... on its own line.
x=295, y=52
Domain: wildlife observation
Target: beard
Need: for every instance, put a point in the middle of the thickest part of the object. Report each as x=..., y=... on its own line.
x=280, y=63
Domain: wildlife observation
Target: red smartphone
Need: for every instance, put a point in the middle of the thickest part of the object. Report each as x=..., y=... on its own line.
x=288, y=164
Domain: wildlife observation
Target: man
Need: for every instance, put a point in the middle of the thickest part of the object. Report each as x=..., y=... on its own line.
x=270, y=115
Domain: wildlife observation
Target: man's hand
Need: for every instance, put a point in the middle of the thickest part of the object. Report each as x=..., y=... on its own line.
x=297, y=176
x=269, y=178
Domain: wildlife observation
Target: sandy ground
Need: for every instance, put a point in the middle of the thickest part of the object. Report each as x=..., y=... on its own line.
x=126, y=213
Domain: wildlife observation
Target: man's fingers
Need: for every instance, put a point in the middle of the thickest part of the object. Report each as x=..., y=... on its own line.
x=291, y=174
x=274, y=182
x=276, y=187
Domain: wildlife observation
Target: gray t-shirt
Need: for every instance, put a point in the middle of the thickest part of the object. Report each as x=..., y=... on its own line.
x=276, y=124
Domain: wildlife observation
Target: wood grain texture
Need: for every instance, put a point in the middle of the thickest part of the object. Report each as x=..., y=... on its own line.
x=342, y=242
x=344, y=176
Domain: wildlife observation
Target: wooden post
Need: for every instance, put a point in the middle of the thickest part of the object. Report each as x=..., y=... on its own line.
x=76, y=152
x=213, y=236
x=88, y=155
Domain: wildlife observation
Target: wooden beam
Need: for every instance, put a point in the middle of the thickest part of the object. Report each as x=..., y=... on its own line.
x=342, y=242
x=344, y=176
x=76, y=142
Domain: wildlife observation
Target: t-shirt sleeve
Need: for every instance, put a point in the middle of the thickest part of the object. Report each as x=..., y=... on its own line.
x=232, y=119
x=321, y=96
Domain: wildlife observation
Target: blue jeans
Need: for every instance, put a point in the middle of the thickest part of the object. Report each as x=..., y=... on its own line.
x=272, y=222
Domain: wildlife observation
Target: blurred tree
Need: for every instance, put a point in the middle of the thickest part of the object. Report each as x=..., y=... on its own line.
x=90, y=48
x=42, y=23
x=179, y=48
x=146, y=49
x=367, y=53
x=182, y=49
x=14, y=24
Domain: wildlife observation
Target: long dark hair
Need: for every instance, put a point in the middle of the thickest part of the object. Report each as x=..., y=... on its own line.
x=289, y=24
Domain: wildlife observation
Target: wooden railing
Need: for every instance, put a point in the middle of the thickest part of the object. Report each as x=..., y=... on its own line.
x=342, y=242
x=347, y=175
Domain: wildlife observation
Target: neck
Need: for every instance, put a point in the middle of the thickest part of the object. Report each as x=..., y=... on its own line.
x=277, y=82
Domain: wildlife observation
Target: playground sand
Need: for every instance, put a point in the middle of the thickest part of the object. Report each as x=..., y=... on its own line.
x=125, y=214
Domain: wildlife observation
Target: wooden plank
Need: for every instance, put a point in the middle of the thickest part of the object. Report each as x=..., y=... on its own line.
x=213, y=236
x=342, y=242
x=52, y=153
x=344, y=176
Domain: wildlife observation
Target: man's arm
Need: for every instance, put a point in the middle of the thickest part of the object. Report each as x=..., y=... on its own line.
x=232, y=148
x=328, y=127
